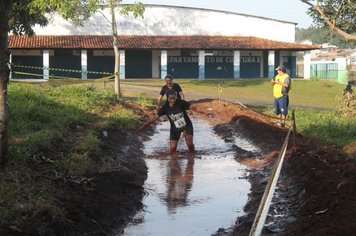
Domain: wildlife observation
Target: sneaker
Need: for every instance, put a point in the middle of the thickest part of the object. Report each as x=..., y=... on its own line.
x=280, y=124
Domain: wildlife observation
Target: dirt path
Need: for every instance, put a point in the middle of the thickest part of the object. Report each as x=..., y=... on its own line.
x=317, y=189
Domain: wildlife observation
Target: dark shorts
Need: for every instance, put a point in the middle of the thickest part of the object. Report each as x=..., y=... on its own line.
x=175, y=135
x=281, y=105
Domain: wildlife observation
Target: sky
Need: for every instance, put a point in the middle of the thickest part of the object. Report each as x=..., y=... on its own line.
x=289, y=10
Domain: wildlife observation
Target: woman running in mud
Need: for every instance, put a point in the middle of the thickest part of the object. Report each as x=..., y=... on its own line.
x=176, y=111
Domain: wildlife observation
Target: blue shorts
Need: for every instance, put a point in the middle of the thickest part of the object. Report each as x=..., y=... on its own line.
x=281, y=105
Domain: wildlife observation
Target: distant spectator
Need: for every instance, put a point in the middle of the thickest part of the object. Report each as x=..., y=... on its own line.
x=281, y=86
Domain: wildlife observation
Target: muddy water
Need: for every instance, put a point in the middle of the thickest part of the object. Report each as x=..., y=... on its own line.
x=191, y=195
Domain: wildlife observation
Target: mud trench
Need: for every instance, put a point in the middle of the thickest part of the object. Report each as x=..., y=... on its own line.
x=192, y=194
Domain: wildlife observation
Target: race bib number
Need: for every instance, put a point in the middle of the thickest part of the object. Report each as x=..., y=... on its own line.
x=180, y=123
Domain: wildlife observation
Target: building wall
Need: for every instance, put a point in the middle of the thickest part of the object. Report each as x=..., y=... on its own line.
x=100, y=61
x=138, y=64
x=65, y=59
x=27, y=58
x=250, y=64
x=147, y=63
x=172, y=20
x=183, y=63
x=156, y=63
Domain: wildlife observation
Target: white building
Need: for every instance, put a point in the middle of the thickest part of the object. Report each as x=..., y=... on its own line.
x=183, y=41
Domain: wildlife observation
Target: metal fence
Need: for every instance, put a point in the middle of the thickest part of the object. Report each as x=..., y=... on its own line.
x=324, y=70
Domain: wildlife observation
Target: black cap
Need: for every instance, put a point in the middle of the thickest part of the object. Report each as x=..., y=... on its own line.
x=282, y=68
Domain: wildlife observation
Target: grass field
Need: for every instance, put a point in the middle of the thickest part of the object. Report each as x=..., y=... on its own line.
x=328, y=125
x=43, y=115
x=54, y=132
x=316, y=100
x=305, y=93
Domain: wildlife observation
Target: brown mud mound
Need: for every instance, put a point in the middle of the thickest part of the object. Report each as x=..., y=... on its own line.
x=316, y=192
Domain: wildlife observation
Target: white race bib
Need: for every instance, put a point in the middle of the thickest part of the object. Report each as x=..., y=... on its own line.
x=180, y=123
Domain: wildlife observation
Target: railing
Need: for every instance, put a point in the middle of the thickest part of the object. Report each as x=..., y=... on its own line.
x=324, y=70
x=264, y=206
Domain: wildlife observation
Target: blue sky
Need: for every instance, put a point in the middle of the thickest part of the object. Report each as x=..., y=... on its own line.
x=290, y=10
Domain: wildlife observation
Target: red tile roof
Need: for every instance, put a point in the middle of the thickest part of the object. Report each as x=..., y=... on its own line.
x=151, y=42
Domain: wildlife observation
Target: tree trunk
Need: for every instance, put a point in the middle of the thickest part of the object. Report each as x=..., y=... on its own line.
x=117, y=70
x=116, y=50
x=5, y=7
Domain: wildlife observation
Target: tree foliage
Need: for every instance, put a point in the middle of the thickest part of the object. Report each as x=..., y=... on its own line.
x=322, y=35
x=23, y=16
x=337, y=15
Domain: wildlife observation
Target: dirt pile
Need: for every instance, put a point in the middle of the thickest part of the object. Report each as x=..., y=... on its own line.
x=316, y=191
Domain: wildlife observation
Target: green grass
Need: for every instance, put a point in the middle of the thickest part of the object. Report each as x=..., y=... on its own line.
x=40, y=117
x=123, y=119
x=305, y=93
x=327, y=125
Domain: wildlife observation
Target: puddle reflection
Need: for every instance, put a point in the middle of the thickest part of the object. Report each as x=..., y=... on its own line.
x=179, y=181
x=190, y=194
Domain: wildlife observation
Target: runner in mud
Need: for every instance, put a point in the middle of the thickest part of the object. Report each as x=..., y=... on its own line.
x=176, y=111
x=281, y=87
x=170, y=85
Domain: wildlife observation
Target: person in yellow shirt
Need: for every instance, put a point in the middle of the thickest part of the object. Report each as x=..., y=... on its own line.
x=281, y=86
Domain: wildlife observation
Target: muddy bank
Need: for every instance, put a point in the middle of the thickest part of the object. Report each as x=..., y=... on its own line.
x=106, y=201
x=317, y=188
x=95, y=203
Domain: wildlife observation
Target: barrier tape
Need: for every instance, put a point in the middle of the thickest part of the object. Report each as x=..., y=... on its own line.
x=62, y=70
x=264, y=206
x=268, y=116
x=54, y=76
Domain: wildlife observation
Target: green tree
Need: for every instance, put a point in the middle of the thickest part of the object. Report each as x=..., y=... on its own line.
x=78, y=11
x=19, y=16
x=322, y=35
x=338, y=15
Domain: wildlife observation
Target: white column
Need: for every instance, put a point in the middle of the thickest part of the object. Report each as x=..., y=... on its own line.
x=164, y=58
x=84, y=59
x=271, y=64
x=237, y=56
x=293, y=66
x=45, y=64
x=201, y=54
x=261, y=64
x=10, y=60
x=122, y=64
x=307, y=60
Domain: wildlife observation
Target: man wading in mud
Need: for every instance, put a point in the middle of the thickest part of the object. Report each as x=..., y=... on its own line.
x=170, y=85
x=281, y=87
x=176, y=111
